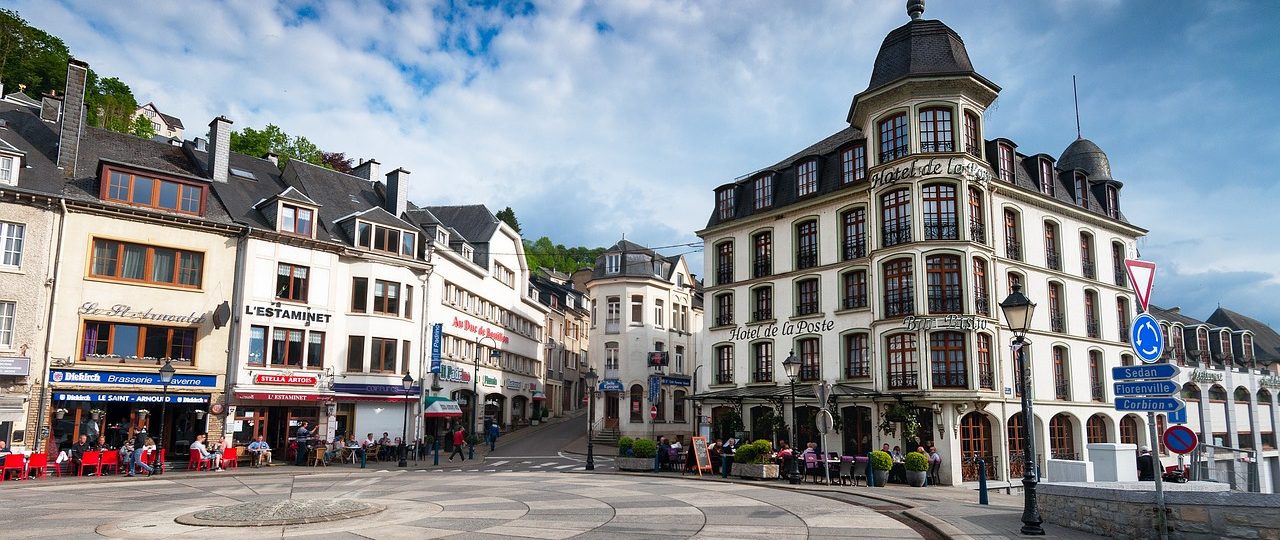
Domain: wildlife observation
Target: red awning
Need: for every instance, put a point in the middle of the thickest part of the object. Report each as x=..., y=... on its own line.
x=441, y=407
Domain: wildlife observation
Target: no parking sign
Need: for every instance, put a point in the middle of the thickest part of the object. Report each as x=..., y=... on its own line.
x=1180, y=439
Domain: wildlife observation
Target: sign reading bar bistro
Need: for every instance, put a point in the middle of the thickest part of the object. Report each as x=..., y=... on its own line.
x=68, y=376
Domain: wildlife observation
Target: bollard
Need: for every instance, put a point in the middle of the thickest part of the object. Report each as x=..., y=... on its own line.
x=724, y=466
x=871, y=472
x=982, y=482
x=472, y=452
x=435, y=446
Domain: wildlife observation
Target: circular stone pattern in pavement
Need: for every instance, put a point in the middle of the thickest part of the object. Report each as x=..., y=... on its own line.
x=281, y=512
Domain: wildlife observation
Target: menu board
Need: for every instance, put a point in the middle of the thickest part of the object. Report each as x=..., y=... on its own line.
x=701, y=455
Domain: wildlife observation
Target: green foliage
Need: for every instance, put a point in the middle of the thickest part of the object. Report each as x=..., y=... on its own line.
x=645, y=448
x=143, y=127
x=881, y=460
x=544, y=412
x=257, y=142
x=110, y=103
x=729, y=423
x=337, y=161
x=472, y=439
x=30, y=57
x=915, y=461
x=756, y=453
x=543, y=253
x=624, y=446
x=508, y=216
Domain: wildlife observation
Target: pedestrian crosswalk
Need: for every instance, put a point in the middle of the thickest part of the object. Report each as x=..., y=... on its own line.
x=559, y=463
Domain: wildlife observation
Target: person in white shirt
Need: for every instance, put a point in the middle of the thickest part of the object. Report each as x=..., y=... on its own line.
x=198, y=447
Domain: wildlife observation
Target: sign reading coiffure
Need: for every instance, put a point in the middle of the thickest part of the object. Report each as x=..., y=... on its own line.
x=289, y=314
x=126, y=311
x=281, y=378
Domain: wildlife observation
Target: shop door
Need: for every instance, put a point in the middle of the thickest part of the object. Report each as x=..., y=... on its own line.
x=611, y=410
x=975, y=445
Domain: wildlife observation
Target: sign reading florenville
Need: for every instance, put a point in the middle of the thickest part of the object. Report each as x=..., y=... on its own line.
x=790, y=328
x=930, y=167
x=126, y=311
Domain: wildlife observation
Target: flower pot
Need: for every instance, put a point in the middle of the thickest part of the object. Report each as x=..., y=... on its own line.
x=634, y=464
x=756, y=471
x=916, y=478
x=60, y=414
x=882, y=478
x=533, y=422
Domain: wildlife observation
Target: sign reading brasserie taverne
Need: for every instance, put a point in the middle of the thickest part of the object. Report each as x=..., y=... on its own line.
x=287, y=313
x=930, y=167
x=126, y=311
x=790, y=328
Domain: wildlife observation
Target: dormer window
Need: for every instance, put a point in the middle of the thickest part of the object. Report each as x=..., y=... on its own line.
x=468, y=252
x=385, y=239
x=1082, y=191
x=158, y=193
x=1113, y=202
x=764, y=191
x=1006, y=163
x=853, y=164
x=613, y=263
x=1046, y=177
x=296, y=220
x=724, y=202
x=895, y=138
x=9, y=170
x=442, y=237
x=972, y=143
x=807, y=178
x=935, y=130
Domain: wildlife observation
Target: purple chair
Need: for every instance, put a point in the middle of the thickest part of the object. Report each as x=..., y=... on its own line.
x=811, y=466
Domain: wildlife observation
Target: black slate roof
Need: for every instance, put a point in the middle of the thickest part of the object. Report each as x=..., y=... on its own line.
x=920, y=48
x=1174, y=315
x=1026, y=174
x=240, y=194
x=1266, y=342
x=473, y=222
x=38, y=141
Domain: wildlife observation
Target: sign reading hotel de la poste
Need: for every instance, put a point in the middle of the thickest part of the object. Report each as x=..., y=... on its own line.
x=931, y=167
x=795, y=328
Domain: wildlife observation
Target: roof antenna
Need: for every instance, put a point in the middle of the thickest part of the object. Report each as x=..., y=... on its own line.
x=915, y=8
x=1076, y=98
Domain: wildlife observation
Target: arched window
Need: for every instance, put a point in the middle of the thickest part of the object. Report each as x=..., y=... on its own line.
x=895, y=138
x=853, y=240
x=1062, y=439
x=810, y=360
x=1014, y=279
x=807, y=178
x=986, y=374
x=855, y=357
x=945, y=295
x=1012, y=235
x=724, y=263
x=1088, y=265
x=977, y=217
x=975, y=442
x=1190, y=392
x=940, y=218
x=1061, y=388
x=1217, y=393
x=898, y=288
x=1057, y=317
x=935, y=130
x=902, y=361
x=637, y=403
x=1264, y=397
x=947, y=360
x=1015, y=434
x=895, y=213
x=1096, y=429
x=1117, y=264
x=724, y=364
x=1052, y=253
x=762, y=361
x=855, y=289
x=1129, y=429
x=1092, y=326
x=1122, y=321
x=807, y=297
x=981, y=298
x=972, y=142
x=807, y=244
x=762, y=242
x=1241, y=395
x=764, y=191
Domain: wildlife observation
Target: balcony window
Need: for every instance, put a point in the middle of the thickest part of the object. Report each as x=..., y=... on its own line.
x=1052, y=254
x=941, y=221
x=1082, y=191
x=853, y=164
x=762, y=302
x=1046, y=177
x=156, y=193
x=972, y=143
x=725, y=203
x=138, y=343
x=764, y=191
x=807, y=178
x=807, y=244
x=935, y=130
x=981, y=299
x=977, y=217
x=1012, y=236
x=762, y=360
x=895, y=138
x=724, y=364
x=895, y=210
x=855, y=289
x=1060, y=386
x=810, y=360
x=724, y=263
x=902, y=372
x=807, y=296
x=724, y=309
x=1006, y=163
x=986, y=377
x=1113, y=202
x=856, y=365
x=945, y=295
x=1096, y=377
x=1057, y=319
x=947, y=360
x=613, y=315
x=898, y=288
x=1117, y=264
x=762, y=266
x=1092, y=325
x=1087, y=264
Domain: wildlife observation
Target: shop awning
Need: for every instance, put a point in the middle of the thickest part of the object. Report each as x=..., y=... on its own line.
x=441, y=407
x=279, y=396
x=539, y=395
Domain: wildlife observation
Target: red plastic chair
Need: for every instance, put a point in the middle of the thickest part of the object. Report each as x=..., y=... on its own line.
x=195, y=462
x=13, y=462
x=37, y=464
x=110, y=458
x=90, y=460
x=52, y=463
x=229, y=458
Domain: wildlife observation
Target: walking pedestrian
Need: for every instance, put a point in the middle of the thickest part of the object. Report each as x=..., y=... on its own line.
x=492, y=435
x=459, y=437
x=140, y=444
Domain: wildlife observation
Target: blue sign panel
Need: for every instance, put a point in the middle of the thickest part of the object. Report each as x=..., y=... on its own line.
x=437, y=331
x=1146, y=338
x=675, y=381
x=1177, y=417
x=75, y=376
x=129, y=398
x=1154, y=371
x=611, y=385
x=375, y=389
x=655, y=386
x=1146, y=388
x=1152, y=404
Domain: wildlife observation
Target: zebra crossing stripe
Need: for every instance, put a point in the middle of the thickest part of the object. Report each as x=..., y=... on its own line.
x=547, y=463
x=563, y=467
x=497, y=463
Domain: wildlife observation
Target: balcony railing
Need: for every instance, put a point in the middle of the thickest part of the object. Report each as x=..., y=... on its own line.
x=762, y=314
x=763, y=267
x=899, y=308
x=858, y=370
x=724, y=276
x=977, y=232
x=969, y=467
x=806, y=308
x=1053, y=260
x=975, y=151
x=1121, y=279
x=724, y=377
x=939, y=146
x=951, y=303
x=986, y=380
x=941, y=230
x=724, y=320
x=1093, y=329
x=903, y=380
x=1060, y=391
x=950, y=380
x=1124, y=334
x=1013, y=249
x=762, y=376
x=806, y=258
x=810, y=373
x=982, y=304
x=893, y=235
x=854, y=302
x=854, y=249
x=1057, y=323
x=1096, y=392
x=1089, y=269
x=890, y=155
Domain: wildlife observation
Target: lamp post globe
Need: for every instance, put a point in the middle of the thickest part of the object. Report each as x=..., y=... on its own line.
x=590, y=377
x=791, y=366
x=166, y=377
x=1018, y=310
x=407, y=384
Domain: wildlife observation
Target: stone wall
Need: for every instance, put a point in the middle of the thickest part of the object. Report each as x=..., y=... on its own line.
x=1196, y=510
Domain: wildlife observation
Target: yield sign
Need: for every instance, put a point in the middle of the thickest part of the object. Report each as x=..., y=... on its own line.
x=1141, y=275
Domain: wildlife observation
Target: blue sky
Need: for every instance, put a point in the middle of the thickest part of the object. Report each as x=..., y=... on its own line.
x=598, y=119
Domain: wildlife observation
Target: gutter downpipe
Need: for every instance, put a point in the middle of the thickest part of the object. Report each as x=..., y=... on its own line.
x=48, y=337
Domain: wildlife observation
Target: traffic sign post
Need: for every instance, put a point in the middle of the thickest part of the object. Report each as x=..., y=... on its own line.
x=653, y=412
x=1151, y=379
x=825, y=423
x=1180, y=439
x=1146, y=338
x=1177, y=417
x=1149, y=404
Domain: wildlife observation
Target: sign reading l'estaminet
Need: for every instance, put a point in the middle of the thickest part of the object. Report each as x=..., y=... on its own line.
x=790, y=328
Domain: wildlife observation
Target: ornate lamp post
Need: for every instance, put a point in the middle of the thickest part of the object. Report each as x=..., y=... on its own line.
x=591, y=377
x=791, y=365
x=435, y=435
x=1017, y=310
x=166, y=377
x=407, y=384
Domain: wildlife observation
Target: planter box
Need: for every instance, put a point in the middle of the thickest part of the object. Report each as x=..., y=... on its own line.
x=882, y=478
x=916, y=478
x=634, y=464
x=765, y=471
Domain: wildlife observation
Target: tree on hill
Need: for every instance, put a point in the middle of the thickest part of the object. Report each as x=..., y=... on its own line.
x=31, y=57
x=508, y=216
x=543, y=253
x=142, y=127
x=110, y=104
x=337, y=161
x=257, y=142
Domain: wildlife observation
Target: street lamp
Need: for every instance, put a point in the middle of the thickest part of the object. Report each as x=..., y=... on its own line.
x=407, y=384
x=475, y=385
x=591, y=377
x=435, y=439
x=790, y=366
x=1017, y=310
x=166, y=377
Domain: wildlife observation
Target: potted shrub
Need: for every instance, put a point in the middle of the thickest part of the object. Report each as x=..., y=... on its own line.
x=639, y=455
x=917, y=465
x=755, y=460
x=881, y=462
x=624, y=446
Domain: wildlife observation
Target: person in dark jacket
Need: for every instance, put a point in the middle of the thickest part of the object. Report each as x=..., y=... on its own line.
x=78, y=450
x=1146, y=465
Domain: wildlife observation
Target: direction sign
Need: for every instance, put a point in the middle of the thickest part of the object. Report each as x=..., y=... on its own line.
x=1150, y=404
x=1153, y=371
x=1146, y=339
x=1161, y=387
x=1180, y=439
x=1141, y=275
x=1177, y=417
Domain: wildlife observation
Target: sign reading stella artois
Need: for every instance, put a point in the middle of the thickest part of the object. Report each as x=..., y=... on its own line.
x=282, y=378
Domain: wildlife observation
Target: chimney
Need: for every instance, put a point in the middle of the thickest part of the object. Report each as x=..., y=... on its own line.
x=72, y=116
x=397, y=199
x=367, y=170
x=220, y=143
x=50, y=107
x=273, y=157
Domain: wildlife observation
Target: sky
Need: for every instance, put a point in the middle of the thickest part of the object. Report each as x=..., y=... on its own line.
x=595, y=120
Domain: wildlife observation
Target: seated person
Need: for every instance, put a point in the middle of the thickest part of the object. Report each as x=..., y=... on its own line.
x=260, y=450
x=78, y=451
x=102, y=443
x=4, y=449
x=199, y=448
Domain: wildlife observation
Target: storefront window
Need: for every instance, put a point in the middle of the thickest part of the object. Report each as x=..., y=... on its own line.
x=138, y=343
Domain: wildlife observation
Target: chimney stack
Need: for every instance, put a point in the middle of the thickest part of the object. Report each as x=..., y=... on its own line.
x=72, y=116
x=273, y=157
x=220, y=144
x=367, y=170
x=50, y=107
x=397, y=199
